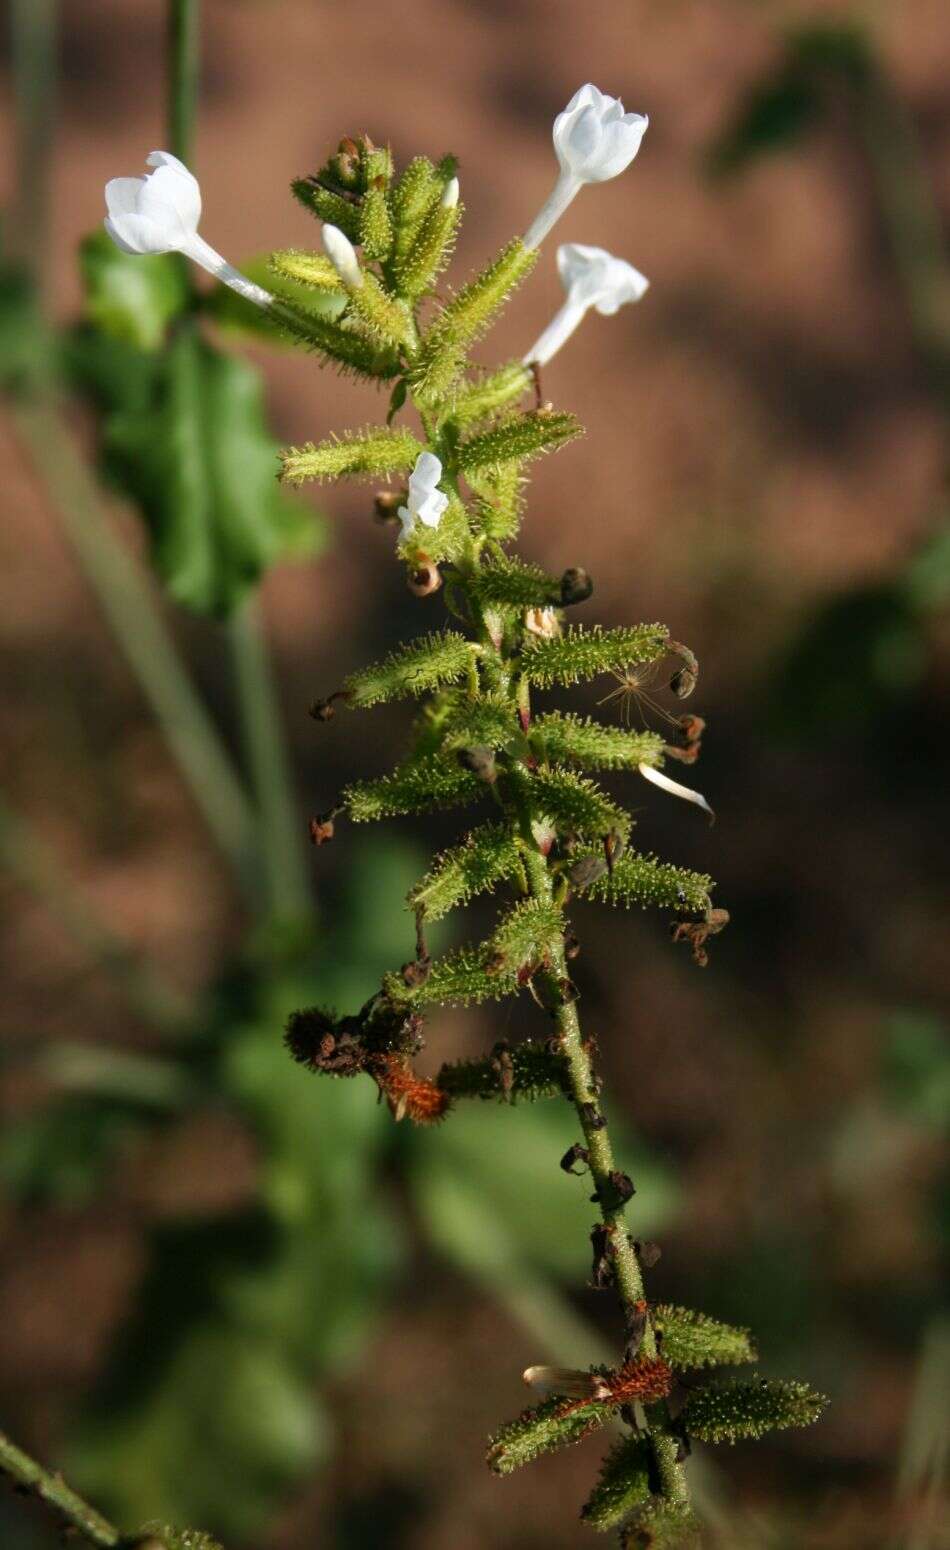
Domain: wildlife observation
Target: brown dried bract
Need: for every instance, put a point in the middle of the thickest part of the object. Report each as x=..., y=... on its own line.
x=698, y=932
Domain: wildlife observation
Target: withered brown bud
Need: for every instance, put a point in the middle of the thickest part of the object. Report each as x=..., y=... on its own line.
x=322, y=710
x=586, y=871
x=683, y=683
x=616, y=1190
x=481, y=762
x=425, y=579
x=306, y=1033
x=575, y=1154
x=647, y=1253
x=321, y=831
x=417, y=972
x=576, y=586
x=386, y=504
x=572, y=946
x=592, y=1116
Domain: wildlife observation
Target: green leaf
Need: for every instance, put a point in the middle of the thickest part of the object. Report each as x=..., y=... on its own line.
x=417, y=669
x=527, y=1070
x=691, y=1339
x=555, y=1424
x=623, y=1484
x=130, y=297
x=514, y=582
x=585, y=653
x=737, y=1410
x=199, y=462
x=375, y=452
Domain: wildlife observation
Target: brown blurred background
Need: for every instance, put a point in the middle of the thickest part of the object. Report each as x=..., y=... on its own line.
x=765, y=471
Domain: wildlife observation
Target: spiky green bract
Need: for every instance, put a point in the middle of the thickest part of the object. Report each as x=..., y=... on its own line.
x=338, y=341
x=691, y=1339
x=177, y=1538
x=385, y=317
x=376, y=227
x=517, y=438
x=578, y=740
x=415, y=669
x=418, y=786
x=585, y=653
x=327, y=205
x=467, y=316
x=576, y=805
x=487, y=856
x=528, y=1070
x=457, y=979
x=661, y=1525
x=510, y=581
x=542, y=1430
x=623, y=1484
x=375, y=452
x=481, y=723
x=644, y=880
x=499, y=500
x=528, y=935
x=305, y=268
x=417, y=191
x=489, y=393
x=448, y=541
x=734, y=1411
x=416, y=267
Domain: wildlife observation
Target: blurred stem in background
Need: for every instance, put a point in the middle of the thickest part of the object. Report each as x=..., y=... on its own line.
x=33, y=51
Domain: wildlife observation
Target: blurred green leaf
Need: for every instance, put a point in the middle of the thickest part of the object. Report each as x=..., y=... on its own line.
x=128, y=297
x=61, y=1154
x=200, y=463
x=917, y=1068
x=231, y=1426
x=23, y=338
x=478, y=1207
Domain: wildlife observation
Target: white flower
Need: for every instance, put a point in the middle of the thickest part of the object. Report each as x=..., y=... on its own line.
x=592, y=277
x=342, y=255
x=594, y=139
x=426, y=501
x=675, y=789
x=450, y=194
x=159, y=213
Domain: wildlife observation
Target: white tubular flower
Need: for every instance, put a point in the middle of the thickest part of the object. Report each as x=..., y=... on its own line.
x=674, y=788
x=159, y=213
x=592, y=277
x=450, y=194
x=594, y=139
x=426, y=501
x=342, y=255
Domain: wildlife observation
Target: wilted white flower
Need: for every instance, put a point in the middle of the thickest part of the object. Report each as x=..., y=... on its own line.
x=426, y=501
x=674, y=788
x=594, y=139
x=543, y=622
x=592, y=277
x=159, y=213
x=342, y=255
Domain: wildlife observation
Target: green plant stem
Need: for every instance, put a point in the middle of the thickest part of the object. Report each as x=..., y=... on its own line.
x=628, y=1277
x=183, y=24
x=135, y=619
x=282, y=833
x=51, y=1489
x=27, y=856
x=33, y=35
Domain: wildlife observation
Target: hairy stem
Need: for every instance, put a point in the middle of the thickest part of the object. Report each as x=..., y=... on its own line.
x=628, y=1277
x=31, y=1477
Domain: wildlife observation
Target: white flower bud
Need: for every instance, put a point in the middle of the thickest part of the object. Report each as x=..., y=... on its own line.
x=426, y=501
x=450, y=194
x=594, y=139
x=342, y=255
x=159, y=213
x=592, y=277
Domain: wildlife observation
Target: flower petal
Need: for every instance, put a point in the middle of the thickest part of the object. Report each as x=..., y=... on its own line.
x=122, y=195
x=173, y=199
x=657, y=778
x=136, y=233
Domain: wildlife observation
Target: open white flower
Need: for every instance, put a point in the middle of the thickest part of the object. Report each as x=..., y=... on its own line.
x=594, y=139
x=159, y=213
x=426, y=501
x=674, y=788
x=592, y=277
